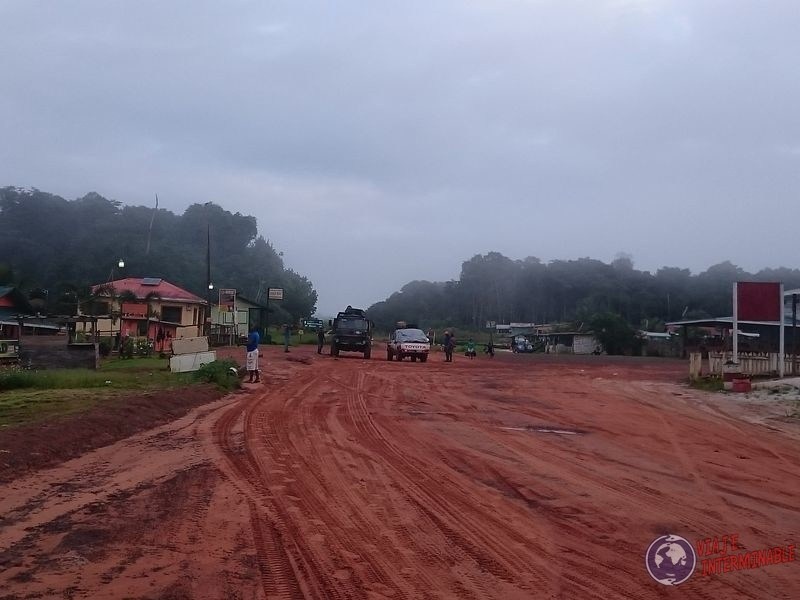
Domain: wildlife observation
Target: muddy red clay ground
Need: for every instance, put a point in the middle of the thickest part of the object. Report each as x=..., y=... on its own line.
x=514, y=478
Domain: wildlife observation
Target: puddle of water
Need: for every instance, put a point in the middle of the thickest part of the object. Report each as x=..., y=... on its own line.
x=430, y=412
x=543, y=430
x=558, y=431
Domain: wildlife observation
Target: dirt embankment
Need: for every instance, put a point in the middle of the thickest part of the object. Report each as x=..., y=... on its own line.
x=27, y=448
x=512, y=478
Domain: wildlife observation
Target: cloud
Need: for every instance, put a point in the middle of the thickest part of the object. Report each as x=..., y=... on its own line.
x=353, y=131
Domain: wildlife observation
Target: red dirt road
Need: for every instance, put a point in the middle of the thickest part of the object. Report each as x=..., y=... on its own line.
x=514, y=478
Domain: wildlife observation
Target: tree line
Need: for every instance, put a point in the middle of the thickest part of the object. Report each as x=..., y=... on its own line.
x=54, y=249
x=493, y=287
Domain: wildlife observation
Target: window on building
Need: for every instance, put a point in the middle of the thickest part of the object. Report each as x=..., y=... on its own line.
x=194, y=317
x=171, y=314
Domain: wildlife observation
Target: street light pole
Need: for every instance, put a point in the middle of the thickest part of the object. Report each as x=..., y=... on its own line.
x=208, y=279
x=120, y=264
x=112, y=292
x=210, y=314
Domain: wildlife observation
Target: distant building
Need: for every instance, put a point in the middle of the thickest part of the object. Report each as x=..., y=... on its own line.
x=231, y=322
x=147, y=307
x=13, y=304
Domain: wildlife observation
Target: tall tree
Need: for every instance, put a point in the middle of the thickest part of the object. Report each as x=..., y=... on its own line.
x=60, y=246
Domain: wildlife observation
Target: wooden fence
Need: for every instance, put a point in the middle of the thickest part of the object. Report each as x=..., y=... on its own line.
x=750, y=363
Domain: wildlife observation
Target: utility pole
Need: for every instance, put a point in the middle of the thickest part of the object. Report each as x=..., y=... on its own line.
x=794, y=334
x=208, y=280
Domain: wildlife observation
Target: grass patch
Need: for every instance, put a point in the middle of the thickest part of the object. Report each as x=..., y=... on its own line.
x=707, y=384
x=29, y=396
x=20, y=407
x=150, y=363
x=139, y=377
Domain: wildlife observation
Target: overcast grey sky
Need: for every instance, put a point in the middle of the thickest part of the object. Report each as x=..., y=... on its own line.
x=379, y=142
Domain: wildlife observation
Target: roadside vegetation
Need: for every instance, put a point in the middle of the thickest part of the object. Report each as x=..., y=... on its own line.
x=27, y=396
x=707, y=384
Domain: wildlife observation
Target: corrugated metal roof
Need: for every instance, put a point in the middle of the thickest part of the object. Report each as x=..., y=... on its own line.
x=715, y=321
x=165, y=289
x=20, y=304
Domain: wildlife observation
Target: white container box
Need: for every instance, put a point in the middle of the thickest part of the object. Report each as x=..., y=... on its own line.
x=184, y=363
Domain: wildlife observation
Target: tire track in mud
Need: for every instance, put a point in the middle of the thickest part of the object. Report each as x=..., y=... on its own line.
x=278, y=575
x=576, y=523
x=543, y=553
x=269, y=438
x=284, y=554
x=358, y=417
x=419, y=487
x=725, y=516
x=393, y=514
x=306, y=484
x=691, y=465
x=350, y=498
x=735, y=424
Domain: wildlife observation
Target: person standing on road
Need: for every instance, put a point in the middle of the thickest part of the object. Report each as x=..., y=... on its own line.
x=320, y=340
x=251, y=356
x=448, y=344
x=451, y=346
x=287, y=336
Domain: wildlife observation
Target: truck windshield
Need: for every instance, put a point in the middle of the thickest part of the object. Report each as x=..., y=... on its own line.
x=411, y=335
x=352, y=324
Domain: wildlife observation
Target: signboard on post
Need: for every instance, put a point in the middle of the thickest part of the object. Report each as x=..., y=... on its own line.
x=313, y=324
x=758, y=301
x=275, y=293
x=227, y=300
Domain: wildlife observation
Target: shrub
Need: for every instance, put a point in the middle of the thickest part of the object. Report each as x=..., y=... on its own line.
x=127, y=348
x=15, y=378
x=708, y=384
x=143, y=347
x=219, y=372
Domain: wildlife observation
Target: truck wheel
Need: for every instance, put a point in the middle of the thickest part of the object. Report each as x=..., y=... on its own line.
x=368, y=352
x=389, y=355
x=334, y=349
x=423, y=358
x=413, y=359
x=399, y=356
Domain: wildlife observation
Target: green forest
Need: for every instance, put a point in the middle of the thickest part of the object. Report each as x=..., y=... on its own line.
x=493, y=287
x=54, y=249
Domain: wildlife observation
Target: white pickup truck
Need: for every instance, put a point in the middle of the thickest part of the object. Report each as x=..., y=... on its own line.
x=408, y=342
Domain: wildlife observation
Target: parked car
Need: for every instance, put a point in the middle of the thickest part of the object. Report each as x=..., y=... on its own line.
x=408, y=342
x=521, y=344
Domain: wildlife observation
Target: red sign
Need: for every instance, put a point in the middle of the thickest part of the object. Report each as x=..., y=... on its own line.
x=757, y=301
